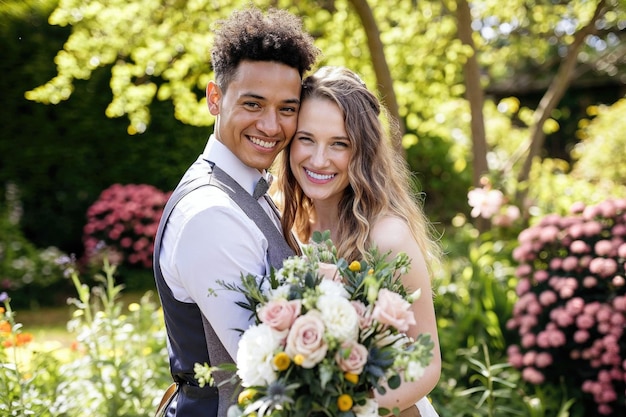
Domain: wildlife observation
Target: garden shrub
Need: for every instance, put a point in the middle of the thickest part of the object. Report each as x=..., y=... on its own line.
x=124, y=219
x=28, y=374
x=116, y=366
x=28, y=272
x=571, y=312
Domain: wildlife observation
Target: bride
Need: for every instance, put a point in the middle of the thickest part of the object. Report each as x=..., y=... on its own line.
x=340, y=173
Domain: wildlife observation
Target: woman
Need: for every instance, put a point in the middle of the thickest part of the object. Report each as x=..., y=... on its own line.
x=340, y=173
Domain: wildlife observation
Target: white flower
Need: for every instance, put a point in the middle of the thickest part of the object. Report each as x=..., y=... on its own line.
x=414, y=371
x=339, y=317
x=254, y=357
x=281, y=292
x=293, y=268
x=485, y=202
x=334, y=288
x=369, y=409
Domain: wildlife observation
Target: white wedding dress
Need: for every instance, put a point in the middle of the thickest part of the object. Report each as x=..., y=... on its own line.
x=426, y=408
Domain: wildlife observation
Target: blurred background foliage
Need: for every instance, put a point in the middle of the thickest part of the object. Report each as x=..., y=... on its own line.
x=104, y=92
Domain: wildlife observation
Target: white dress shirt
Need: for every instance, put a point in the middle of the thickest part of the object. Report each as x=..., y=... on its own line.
x=209, y=238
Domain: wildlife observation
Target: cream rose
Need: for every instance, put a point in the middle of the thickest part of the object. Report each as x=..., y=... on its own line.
x=393, y=310
x=306, y=340
x=339, y=317
x=351, y=357
x=280, y=314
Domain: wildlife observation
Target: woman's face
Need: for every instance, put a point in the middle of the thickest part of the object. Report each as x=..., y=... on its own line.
x=321, y=151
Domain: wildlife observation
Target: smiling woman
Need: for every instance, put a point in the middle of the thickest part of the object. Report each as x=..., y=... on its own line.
x=320, y=152
x=342, y=176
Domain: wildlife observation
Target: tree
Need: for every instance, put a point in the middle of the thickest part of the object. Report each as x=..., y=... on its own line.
x=421, y=56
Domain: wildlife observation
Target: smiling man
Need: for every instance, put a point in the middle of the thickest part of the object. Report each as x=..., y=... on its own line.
x=214, y=227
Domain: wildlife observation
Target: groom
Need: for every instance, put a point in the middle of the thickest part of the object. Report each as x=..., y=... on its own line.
x=212, y=228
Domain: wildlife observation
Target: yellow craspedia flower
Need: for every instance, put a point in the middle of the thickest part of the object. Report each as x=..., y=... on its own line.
x=344, y=402
x=371, y=271
x=281, y=361
x=133, y=307
x=298, y=359
x=246, y=396
x=354, y=378
x=355, y=266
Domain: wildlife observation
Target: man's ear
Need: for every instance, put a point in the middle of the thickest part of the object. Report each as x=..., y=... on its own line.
x=213, y=97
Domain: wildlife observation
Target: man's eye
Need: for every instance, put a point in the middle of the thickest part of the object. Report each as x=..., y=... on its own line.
x=252, y=105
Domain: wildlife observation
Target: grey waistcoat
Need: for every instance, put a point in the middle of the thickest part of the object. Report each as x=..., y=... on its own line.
x=191, y=338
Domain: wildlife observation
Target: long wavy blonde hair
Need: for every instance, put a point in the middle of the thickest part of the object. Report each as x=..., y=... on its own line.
x=380, y=180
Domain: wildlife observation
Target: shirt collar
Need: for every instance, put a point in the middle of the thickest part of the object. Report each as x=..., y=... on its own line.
x=215, y=151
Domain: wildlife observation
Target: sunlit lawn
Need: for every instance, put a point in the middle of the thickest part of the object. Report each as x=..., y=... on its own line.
x=48, y=325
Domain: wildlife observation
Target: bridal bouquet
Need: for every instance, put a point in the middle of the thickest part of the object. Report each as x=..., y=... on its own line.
x=320, y=347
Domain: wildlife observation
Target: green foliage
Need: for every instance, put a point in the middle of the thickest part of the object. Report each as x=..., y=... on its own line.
x=120, y=368
x=27, y=271
x=61, y=157
x=495, y=388
x=475, y=297
x=24, y=375
x=116, y=366
x=601, y=154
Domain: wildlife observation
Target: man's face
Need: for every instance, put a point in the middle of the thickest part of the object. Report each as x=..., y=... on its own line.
x=258, y=114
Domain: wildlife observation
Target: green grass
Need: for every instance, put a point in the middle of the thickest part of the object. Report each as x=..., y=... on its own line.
x=49, y=324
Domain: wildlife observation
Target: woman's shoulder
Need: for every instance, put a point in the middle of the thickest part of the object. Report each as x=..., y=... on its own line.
x=390, y=232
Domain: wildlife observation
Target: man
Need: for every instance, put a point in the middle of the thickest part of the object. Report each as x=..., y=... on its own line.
x=215, y=231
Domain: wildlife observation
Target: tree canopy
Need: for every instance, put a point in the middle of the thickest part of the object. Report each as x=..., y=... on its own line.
x=424, y=59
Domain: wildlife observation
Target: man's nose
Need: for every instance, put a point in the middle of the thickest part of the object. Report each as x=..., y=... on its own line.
x=269, y=123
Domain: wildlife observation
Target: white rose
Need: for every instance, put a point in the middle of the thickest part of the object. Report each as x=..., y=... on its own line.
x=339, y=317
x=329, y=287
x=254, y=357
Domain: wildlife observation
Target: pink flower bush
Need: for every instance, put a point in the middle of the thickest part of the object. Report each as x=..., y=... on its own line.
x=125, y=219
x=570, y=316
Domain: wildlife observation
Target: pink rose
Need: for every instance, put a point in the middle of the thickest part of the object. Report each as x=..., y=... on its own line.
x=391, y=309
x=306, y=339
x=352, y=357
x=365, y=317
x=280, y=314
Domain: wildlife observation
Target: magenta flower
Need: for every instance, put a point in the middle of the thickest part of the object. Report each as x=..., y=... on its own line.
x=123, y=222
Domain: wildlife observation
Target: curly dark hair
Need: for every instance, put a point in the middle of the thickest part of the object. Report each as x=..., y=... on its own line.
x=248, y=34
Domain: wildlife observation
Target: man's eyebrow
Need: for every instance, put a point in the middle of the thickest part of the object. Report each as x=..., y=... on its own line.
x=258, y=97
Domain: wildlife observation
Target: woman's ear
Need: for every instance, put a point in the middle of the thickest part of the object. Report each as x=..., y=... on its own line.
x=213, y=97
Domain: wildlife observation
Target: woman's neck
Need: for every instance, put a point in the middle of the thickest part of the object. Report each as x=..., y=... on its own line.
x=326, y=218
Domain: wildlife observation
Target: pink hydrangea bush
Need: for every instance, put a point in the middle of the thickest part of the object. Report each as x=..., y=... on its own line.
x=571, y=311
x=124, y=219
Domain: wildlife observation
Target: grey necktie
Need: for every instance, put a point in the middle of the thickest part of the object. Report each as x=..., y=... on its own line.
x=260, y=189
